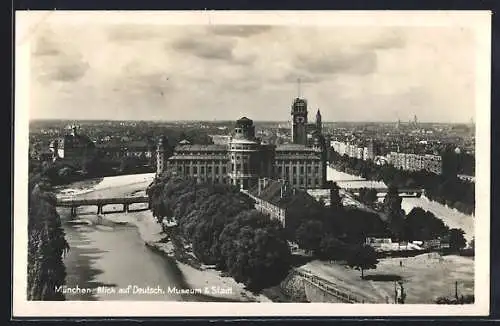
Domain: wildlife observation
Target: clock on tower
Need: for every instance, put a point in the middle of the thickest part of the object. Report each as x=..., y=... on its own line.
x=299, y=119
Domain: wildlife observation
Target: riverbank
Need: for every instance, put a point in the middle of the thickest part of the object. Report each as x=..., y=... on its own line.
x=194, y=273
x=151, y=233
x=450, y=216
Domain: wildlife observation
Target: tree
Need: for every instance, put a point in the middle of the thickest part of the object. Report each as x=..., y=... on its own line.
x=129, y=163
x=335, y=199
x=255, y=250
x=46, y=246
x=392, y=208
x=90, y=165
x=423, y=225
x=368, y=195
x=457, y=239
x=309, y=235
x=332, y=248
x=362, y=257
x=371, y=196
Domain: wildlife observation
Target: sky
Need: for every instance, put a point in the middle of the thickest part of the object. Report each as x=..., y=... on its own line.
x=128, y=70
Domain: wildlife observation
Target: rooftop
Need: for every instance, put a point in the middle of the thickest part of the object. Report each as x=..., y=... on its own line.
x=271, y=193
x=220, y=156
x=242, y=141
x=294, y=147
x=132, y=144
x=201, y=148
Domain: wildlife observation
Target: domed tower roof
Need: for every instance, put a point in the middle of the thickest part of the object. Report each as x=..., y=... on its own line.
x=244, y=129
x=244, y=121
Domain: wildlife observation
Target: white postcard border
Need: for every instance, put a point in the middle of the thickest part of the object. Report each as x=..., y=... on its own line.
x=480, y=21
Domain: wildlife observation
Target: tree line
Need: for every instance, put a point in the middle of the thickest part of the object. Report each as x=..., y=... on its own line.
x=339, y=233
x=46, y=243
x=446, y=188
x=225, y=230
x=64, y=172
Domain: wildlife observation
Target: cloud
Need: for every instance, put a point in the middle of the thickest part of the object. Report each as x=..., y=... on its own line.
x=206, y=49
x=132, y=32
x=219, y=71
x=358, y=63
x=213, y=49
x=45, y=47
x=240, y=31
x=305, y=78
x=62, y=73
x=70, y=72
x=46, y=42
x=391, y=39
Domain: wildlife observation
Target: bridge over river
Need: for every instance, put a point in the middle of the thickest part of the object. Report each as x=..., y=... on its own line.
x=101, y=202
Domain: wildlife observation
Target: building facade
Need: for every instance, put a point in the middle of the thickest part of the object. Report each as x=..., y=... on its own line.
x=245, y=159
x=365, y=153
x=268, y=195
x=73, y=147
x=416, y=162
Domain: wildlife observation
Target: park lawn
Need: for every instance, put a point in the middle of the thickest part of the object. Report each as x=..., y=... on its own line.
x=425, y=277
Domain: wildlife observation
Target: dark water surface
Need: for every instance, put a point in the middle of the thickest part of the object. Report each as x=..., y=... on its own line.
x=107, y=258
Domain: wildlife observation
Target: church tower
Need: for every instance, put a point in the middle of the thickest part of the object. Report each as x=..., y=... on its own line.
x=299, y=119
x=319, y=126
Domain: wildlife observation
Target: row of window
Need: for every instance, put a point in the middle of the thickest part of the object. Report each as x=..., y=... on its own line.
x=301, y=170
x=309, y=153
x=244, y=168
x=238, y=167
x=195, y=162
x=301, y=181
x=246, y=147
x=198, y=153
x=244, y=157
x=194, y=169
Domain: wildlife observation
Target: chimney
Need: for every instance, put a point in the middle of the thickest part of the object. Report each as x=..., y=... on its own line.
x=259, y=187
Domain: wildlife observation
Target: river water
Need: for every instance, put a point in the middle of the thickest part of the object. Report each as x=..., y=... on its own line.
x=115, y=257
x=109, y=261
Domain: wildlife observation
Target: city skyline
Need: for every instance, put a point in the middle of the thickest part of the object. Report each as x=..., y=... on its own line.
x=128, y=71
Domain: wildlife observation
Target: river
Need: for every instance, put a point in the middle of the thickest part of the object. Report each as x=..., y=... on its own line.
x=110, y=258
x=450, y=216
